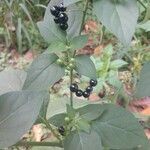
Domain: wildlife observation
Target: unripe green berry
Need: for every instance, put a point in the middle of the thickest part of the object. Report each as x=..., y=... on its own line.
x=68, y=68
x=71, y=66
x=67, y=119
x=72, y=60
x=59, y=62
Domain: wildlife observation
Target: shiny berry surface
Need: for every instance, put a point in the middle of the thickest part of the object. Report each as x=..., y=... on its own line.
x=74, y=87
x=89, y=89
x=93, y=82
x=61, y=7
x=63, y=27
x=102, y=94
x=63, y=18
x=86, y=94
x=56, y=20
x=79, y=93
x=54, y=11
x=61, y=130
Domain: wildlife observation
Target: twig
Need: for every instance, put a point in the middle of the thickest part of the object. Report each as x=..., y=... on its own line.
x=84, y=15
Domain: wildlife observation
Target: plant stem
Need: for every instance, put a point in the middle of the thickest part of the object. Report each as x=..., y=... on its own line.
x=84, y=14
x=142, y=4
x=71, y=71
x=51, y=128
x=71, y=81
x=26, y=143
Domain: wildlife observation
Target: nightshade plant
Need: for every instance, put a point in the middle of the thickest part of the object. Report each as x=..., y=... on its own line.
x=77, y=125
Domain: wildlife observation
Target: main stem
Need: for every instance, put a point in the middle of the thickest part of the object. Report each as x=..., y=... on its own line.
x=84, y=15
x=71, y=81
x=71, y=71
x=24, y=143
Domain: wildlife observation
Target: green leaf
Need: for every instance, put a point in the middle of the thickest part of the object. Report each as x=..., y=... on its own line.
x=147, y=15
x=75, y=15
x=85, y=66
x=120, y=17
x=57, y=47
x=70, y=111
x=145, y=26
x=19, y=35
x=83, y=125
x=18, y=112
x=83, y=141
x=87, y=112
x=114, y=80
x=11, y=80
x=58, y=120
x=58, y=106
x=50, y=32
x=79, y=42
x=119, y=129
x=26, y=11
x=69, y=2
x=43, y=72
x=27, y=35
x=90, y=112
x=116, y=64
x=44, y=107
x=143, y=86
x=108, y=51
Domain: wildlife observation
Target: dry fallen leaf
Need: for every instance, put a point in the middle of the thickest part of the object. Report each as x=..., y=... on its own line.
x=98, y=50
x=91, y=26
x=146, y=111
x=37, y=132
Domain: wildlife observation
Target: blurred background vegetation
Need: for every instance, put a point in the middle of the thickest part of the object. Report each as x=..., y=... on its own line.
x=18, y=24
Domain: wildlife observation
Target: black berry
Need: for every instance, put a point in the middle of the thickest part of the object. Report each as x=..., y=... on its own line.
x=61, y=7
x=64, y=27
x=61, y=130
x=86, y=94
x=63, y=18
x=93, y=82
x=102, y=94
x=54, y=11
x=89, y=89
x=56, y=20
x=79, y=93
x=74, y=87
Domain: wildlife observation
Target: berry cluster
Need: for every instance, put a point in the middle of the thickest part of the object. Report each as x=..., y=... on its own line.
x=86, y=93
x=61, y=18
x=61, y=130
